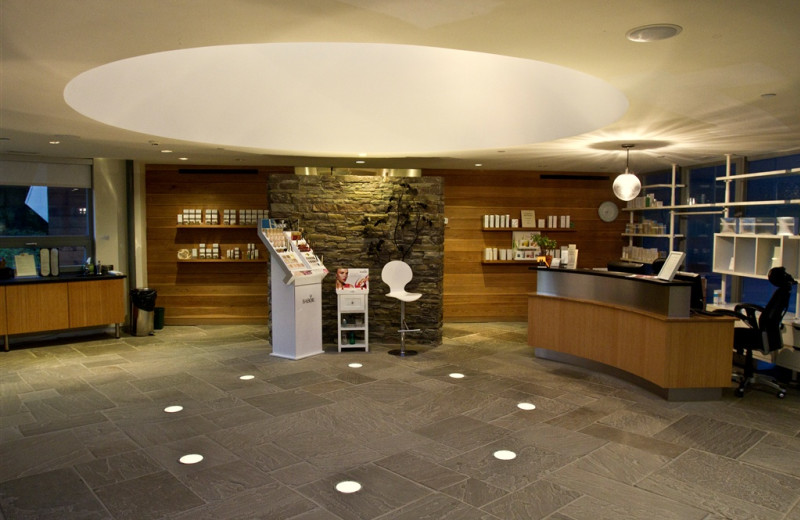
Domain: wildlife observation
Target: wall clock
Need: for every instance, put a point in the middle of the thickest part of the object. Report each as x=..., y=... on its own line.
x=608, y=211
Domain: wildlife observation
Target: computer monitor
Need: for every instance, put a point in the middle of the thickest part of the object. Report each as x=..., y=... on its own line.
x=671, y=266
x=697, y=300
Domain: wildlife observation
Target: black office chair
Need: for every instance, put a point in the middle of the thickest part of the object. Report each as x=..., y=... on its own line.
x=763, y=331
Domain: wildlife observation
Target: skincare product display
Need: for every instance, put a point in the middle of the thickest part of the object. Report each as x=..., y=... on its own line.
x=230, y=217
x=645, y=201
x=647, y=255
x=645, y=227
x=528, y=221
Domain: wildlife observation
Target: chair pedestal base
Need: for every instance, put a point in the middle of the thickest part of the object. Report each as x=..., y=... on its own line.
x=402, y=352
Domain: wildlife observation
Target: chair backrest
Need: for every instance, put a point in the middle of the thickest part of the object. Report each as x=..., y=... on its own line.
x=396, y=274
x=770, y=320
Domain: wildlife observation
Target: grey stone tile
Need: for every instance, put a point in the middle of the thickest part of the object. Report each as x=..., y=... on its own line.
x=642, y=442
x=387, y=391
x=475, y=492
x=226, y=480
x=437, y=506
x=168, y=455
x=32, y=455
x=623, y=463
x=119, y=468
x=711, y=435
x=537, y=500
x=382, y=492
x=267, y=502
x=54, y=495
x=462, y=432
x=776, y=452
x=725, y=487
x=627, y=501
x=420, y=470
x=150, y=496
x=558, y=440
x=287, y=402
x=530, y=464
x=297, y=379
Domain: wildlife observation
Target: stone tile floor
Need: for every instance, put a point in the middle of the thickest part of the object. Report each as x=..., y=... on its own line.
x=83, y=434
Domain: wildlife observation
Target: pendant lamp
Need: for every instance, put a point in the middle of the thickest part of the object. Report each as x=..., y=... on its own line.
x=627, y=185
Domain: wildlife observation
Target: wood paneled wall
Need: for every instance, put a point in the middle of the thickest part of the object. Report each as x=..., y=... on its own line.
x=477, y=292
x=205, y=293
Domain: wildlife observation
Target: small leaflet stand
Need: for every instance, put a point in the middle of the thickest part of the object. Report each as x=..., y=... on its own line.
x=296, y=275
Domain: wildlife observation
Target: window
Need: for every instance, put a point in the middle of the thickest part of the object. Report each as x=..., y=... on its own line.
x=46, y=205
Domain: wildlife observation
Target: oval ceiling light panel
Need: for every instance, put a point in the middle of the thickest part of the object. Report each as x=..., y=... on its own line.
x=341, y=99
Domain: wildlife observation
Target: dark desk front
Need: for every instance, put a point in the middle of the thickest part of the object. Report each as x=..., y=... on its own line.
x=636, y=328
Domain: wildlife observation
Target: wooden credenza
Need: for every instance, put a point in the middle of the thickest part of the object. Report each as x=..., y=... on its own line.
x=49, y=304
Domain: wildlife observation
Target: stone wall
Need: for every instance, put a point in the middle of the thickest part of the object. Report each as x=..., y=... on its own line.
x=330, y=211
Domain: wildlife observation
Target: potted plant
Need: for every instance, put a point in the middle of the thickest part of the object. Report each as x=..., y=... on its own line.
x=547, y=245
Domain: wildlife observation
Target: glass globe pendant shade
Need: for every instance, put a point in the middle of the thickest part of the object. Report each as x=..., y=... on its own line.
x=627, y=186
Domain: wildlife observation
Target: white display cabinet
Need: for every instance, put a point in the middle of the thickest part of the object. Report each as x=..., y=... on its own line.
x=296, y=290
x=353, y=318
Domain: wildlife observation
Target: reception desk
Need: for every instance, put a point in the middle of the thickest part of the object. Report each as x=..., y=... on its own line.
x=636, y=328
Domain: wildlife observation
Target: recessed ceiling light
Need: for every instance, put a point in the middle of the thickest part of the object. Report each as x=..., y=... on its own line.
x=526, y=406
x=55, y=142
x=183, y=158
x=478, y=165
x=355, y=365
x=173, y=408
x=653, y=33
x=360, y=162
x=456, y=375
x=246, y=377
x=166, y=151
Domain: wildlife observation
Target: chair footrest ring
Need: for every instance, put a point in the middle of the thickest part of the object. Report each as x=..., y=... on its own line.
x=410, y=330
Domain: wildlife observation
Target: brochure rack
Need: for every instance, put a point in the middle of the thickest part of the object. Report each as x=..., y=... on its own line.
x=296, y=288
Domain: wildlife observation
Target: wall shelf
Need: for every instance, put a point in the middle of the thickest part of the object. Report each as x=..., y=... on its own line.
x=549, y=230
x=221, y=260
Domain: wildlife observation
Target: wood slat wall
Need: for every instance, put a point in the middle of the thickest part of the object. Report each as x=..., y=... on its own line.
x=477, y=292
x=209, y=293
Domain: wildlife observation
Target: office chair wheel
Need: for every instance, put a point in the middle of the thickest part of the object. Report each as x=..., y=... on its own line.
x=781, y=394
x=739, y=392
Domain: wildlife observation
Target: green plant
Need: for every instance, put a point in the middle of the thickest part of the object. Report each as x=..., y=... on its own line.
x=400, y=226
x=544, y=242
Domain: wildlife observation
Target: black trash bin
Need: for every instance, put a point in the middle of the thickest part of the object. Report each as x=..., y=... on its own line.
x=143, y=305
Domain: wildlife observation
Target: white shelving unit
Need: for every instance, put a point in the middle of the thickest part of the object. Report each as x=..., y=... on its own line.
x=353, y=318
x=752, y=255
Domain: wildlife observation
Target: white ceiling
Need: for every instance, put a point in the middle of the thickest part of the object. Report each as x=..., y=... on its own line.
x=692, y=99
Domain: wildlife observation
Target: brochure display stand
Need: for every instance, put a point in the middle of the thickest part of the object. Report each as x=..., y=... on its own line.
x=296, y=278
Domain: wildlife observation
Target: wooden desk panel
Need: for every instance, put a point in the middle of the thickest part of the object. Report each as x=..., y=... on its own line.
x=98, y=302
x=671, y=353
x=3, y=322
x=37, y=307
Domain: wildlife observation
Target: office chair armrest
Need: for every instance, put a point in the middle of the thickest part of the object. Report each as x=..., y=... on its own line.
x=736, y=313
x=750, y=309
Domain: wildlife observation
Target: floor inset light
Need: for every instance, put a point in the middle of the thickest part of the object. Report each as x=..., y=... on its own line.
x=456, y=375
x=192, y=458
x=355, y=365
x=246, y=377
x=505, y=455
x=348, y=486
x=173, y=408
x=526, y=406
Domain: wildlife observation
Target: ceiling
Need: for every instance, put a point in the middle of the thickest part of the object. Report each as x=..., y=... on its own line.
x=729, y=83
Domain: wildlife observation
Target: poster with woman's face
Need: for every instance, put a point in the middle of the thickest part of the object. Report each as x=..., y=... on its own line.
x=350, y=280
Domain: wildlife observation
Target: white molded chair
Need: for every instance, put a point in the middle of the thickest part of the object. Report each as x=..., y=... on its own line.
x=396, y=274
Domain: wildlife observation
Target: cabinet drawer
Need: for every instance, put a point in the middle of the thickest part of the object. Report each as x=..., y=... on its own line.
x=352, y=302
